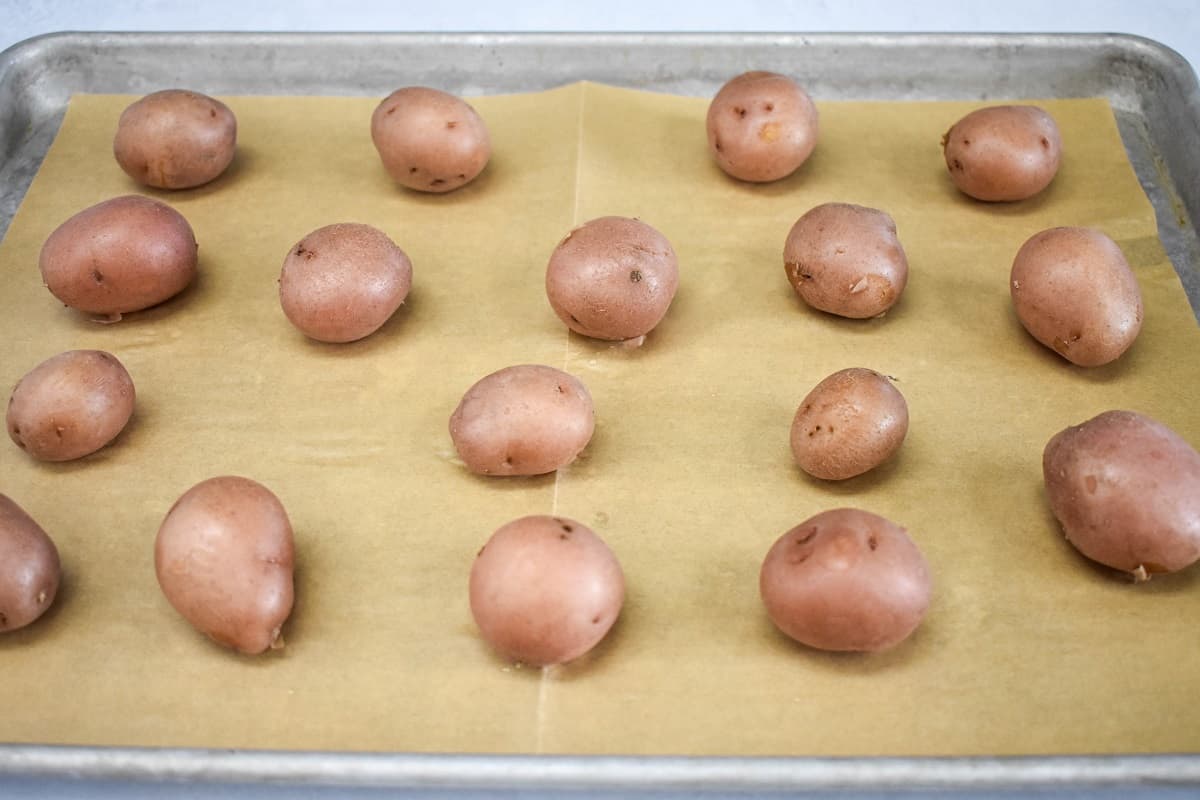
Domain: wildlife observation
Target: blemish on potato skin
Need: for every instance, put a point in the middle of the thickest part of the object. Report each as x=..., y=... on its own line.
x=1090, y=483
x=635, y=276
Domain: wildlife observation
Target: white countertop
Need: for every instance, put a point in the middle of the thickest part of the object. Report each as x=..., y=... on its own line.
x=1175, y=23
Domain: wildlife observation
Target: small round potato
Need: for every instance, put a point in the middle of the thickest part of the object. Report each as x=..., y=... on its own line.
x=846, y=260
x=224, y=557
x=122, y=255
x=429, y=140
x=846, y=580
x=342, y=282
x=29, y=568
x=175, y=139
x=850, y=423
x=528, y=419
x=1003, y=153
x=545, y=590
x=612, y=278
x=70, y=405
x=1126, y=489
x=761, y=127
x=1074, y=292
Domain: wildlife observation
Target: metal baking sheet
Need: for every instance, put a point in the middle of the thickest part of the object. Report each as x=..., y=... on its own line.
x=1157, y=102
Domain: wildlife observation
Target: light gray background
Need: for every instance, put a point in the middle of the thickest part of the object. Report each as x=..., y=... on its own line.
x=1175, y=23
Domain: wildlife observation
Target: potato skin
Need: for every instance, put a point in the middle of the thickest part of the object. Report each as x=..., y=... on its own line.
x=527, y=419
x=1074, y=292
x=612, y=278
x=846, y=259
x=121, y=255
x=224, y=557
x=545, y=590
x=175, y=139
x=429, y=140
x=1003, y=153
x=851, y=422
x=342, y=282
x=1126, y=489
x=846, y=579
x=761, y=126
x=70, y=405
x=29, y=568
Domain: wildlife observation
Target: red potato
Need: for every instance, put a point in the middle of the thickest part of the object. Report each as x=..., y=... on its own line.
x=122, y=255
x=761, y=127
x=528, y=419
x=846, y=580
x=1073, y=290
x=175, y=139
x=224, y=557
x=342, y=282
x=1126, y=489
x=1003, y=153
x=429, y=140
x=850, y=423
x=29, y=568
x=612, y=278
x=70, y=405
x=545, y=590
x=846, y=260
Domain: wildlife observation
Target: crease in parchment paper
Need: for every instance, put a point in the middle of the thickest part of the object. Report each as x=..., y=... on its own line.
x=548, y=672
x=1027, y=648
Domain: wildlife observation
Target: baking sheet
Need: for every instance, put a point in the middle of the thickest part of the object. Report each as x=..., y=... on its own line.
x=688, y=478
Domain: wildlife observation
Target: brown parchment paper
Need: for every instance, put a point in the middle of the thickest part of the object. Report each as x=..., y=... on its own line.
x=1027, y=647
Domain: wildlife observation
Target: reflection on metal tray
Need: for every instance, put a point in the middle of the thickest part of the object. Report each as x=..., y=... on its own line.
x=1157, y=102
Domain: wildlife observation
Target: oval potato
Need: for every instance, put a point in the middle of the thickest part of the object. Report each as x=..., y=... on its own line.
x=30, y=570
x=430, y=140
x=846, y=259
x=851, y=422
x=121, y=255
x=545, y=590
x=528, y=419
x=175, y=139
x=224, y=557
x=1003, y=153
x=761, y=126
x=612, y=278
x=1074, y=292
x=1126, y=489
x=342, y=282
x=70, y=405
x=846, y=579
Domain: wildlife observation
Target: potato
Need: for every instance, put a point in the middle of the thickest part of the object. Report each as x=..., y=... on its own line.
x=1074, y=292
x=761, y=127
x=1003, y=153
x=175, y=139
x=224, y=558
x=545, y=590
x=70, y=405
x=612, y=278
x=429, y=140
x=342, y=282
x=121, y=255
x=29, y=568
x=846, y=259
x=846, y=579
x=850, y=423
x=1126, y=489
x=528, y=419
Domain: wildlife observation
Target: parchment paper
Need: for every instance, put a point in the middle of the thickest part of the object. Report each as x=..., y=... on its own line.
x=1027, y=648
